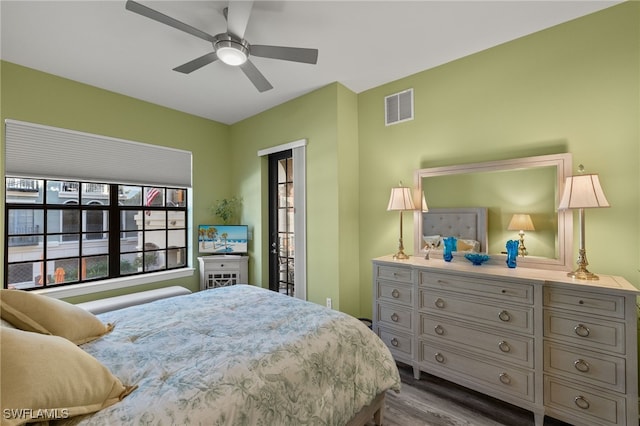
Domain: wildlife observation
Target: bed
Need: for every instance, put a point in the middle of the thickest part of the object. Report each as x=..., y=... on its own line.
x=467, y=225
x=241, y=355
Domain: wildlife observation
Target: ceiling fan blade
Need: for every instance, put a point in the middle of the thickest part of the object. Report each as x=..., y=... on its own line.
x=197, y=63
x=295, y=54
x=255, y=76
x=238, y=14
x=167, y=20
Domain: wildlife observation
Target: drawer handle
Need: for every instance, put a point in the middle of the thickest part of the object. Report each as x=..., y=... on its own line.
x=395, y=293
x=581, y=402
x=504, y=378
x=439, y=303
x=394, y=342
x=582, y=330
x=581, y=365
x=439, y=330
x=439, y=357
x=504, y=346
x=394, y=317
x=504, y=316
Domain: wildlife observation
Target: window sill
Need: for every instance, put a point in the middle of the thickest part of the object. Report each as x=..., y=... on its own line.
x=114, y=284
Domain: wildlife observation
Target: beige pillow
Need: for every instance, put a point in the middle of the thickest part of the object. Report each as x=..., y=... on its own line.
x=50, y=376
x=34, y=312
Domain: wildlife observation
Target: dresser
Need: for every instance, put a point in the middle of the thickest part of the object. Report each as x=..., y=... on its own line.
x=534, y=338
x=223, y=270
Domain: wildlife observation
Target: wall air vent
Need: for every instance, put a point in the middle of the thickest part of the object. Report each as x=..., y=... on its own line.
x=398, y=107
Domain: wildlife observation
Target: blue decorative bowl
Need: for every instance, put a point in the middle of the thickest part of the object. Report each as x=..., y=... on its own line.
x=476, y=258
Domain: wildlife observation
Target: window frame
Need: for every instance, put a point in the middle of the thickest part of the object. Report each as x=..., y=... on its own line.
x=116, y=211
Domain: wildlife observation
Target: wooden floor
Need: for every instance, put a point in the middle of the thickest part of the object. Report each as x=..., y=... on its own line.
x=435, y=402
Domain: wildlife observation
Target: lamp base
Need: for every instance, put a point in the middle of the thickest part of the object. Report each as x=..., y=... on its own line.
x=583, y=274
x=400, y=255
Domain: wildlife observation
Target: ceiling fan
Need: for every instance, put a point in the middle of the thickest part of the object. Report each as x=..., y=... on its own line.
x=231, y=47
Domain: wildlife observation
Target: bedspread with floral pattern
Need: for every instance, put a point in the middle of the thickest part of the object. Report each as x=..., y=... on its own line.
x=240, y=355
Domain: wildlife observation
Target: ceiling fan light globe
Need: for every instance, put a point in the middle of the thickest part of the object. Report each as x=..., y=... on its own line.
x=231, y=53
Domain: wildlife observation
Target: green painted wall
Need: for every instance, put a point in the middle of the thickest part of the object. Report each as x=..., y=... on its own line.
x=572, y=88
x=37, y=97
x=326, y=118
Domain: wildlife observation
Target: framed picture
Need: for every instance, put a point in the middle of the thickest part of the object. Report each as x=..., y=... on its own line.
x=223, y=239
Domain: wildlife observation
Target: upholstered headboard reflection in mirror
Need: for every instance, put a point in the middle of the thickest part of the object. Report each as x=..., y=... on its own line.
x=531, y=185
x=469, y=225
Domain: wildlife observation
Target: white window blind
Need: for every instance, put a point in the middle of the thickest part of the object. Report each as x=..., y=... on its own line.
x=38, y=151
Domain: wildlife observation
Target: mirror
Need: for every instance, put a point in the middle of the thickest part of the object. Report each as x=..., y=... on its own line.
x=531, y=185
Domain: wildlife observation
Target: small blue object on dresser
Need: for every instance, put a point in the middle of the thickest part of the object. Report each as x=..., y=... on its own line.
x=512, y=252
x=450, y=245
x=476, y=258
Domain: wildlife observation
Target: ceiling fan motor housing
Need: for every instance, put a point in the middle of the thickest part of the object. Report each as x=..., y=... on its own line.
x=231, y=50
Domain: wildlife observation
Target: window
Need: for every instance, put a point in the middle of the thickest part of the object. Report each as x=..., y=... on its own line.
x=69, y=232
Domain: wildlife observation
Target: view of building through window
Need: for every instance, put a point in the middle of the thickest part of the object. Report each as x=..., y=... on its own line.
x=68, y=232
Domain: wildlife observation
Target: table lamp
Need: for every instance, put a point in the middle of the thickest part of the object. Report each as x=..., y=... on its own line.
x=581, y=192
x=401, y=200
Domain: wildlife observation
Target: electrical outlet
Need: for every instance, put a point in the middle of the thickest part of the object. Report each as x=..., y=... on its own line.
x=329, y=304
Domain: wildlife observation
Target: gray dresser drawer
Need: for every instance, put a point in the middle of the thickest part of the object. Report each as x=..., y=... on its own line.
x=591, y=367
x=393, y=273
x=399, y=344
x=500, y=378
x=394, y=292
x=585, y=331
x=585, y=405
x=582, y=301
x=491, y=313
x=506, y=291
x=491, y=343
x=395, y=316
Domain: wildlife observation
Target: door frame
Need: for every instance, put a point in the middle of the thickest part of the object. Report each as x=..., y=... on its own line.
x=298, y=149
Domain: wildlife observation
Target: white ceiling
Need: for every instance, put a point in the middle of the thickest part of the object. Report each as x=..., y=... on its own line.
x=362, y=44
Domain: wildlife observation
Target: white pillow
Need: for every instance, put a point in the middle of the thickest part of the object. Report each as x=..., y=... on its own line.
x=431, y=241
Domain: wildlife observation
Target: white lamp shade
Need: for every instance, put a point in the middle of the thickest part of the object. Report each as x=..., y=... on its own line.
x=521, y=222
x=419, y=201
x=582, y=191
x=401, y=199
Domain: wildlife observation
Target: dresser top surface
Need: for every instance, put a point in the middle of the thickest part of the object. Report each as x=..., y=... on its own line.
x=462, y=266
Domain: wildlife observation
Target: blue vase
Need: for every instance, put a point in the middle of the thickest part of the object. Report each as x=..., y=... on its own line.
x=450, y=245
x=512, y=253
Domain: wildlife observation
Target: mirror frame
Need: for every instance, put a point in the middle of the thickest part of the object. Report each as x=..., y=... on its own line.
x=563, y=164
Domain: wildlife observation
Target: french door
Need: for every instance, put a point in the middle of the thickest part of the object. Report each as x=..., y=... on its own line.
x=282, y=223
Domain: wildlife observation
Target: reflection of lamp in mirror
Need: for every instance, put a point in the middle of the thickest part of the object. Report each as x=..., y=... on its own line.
x=580, y=192
x=521, y=223
x=401, y=200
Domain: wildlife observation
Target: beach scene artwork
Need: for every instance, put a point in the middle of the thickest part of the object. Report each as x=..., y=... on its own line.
x=222, y=239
